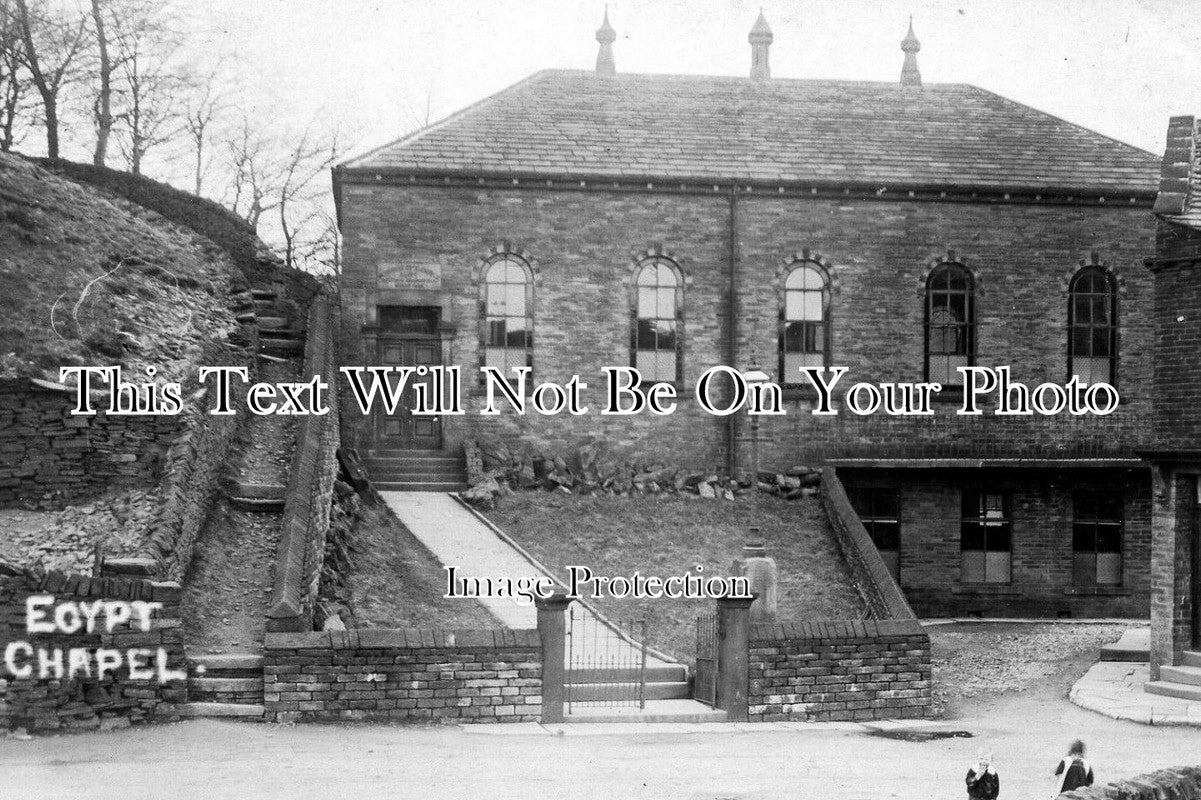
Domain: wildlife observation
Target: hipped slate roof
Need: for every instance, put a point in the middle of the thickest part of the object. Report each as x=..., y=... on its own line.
x=562, y=123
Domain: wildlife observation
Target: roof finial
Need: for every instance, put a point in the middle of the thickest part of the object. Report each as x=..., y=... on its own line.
x=760, y=39
x=910, y=76
x=605, y=64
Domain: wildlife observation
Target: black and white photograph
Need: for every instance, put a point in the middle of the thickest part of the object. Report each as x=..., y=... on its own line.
x=700, y=399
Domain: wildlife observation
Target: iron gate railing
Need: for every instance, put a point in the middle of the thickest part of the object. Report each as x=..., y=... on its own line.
x=704, y=686
x=606, y=663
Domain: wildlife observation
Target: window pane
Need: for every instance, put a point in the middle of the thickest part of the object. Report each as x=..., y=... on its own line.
x=794, y=337
x=666, y=307
x=496, y=332
x=892, y=561
x=886, y=536
x=1109, y=568
x=996, y=567
x=1084, y=538
x=971, y=536
x=971, y=567
x=647, y=338
x=495, y=305
x=794, y=361
x=1081, y=341
x=666, y=333
x=496, y=357
x=515, y=300
x=1084, y=568
x=647, y=303
x=1109, y=537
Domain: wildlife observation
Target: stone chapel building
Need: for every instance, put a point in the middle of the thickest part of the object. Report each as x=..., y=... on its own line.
x=583, y=219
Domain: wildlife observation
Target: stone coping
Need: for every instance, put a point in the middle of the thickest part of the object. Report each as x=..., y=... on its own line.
x=835, y=630
x=405, y=639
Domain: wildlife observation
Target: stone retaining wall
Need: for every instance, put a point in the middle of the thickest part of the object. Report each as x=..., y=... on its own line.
x=453, y=676
x=48, y=454
x=1178, y=783
x=310, y=489
x=876, y=585
x=88, y=703
x=822, y=671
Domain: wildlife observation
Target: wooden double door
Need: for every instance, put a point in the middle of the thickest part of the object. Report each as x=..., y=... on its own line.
x=404, y=430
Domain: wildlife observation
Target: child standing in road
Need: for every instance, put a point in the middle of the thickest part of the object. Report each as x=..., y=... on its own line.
x=1073, y=770
x=983, y=783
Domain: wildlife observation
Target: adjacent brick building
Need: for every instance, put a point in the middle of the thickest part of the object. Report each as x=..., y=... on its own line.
x=1175, y=451
x=579, y=220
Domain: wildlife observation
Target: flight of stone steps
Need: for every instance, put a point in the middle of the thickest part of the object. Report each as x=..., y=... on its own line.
x=227, y=685
x=1182, y=680
x=417, y=470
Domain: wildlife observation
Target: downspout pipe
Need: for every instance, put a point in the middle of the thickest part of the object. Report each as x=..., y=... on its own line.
x=732, y=327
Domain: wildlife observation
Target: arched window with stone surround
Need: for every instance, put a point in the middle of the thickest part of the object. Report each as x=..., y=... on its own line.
x=508, y=314
x=950, y=323
x=1093, y=326
x=804, y=336
x=657, y=320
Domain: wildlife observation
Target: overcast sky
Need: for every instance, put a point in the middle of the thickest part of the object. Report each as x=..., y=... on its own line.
x=1121, y=67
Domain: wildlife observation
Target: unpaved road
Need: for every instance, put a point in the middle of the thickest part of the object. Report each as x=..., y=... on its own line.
x=209, y=759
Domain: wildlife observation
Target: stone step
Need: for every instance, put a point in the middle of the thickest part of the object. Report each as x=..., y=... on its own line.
x=395, y=473
x=273, y=359
x=1191, y=658
x=1189, y=675
x=274, y=323
x=665, y=674
x=226, y=684
x=583, y=692
x=419, y=486
x=281, y=334
x=1184, y=691
x=241, y=488
x=655, y=711
x=259, y=504
x=247, y=318
x=413, y=457
x=225, y=710
x=263, y=294
x=281, y=348
x=227, y=662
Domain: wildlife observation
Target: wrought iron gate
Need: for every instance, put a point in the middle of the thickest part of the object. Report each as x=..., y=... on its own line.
x=704, y=686
x=606, y=663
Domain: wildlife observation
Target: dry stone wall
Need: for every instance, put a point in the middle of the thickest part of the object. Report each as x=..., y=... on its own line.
x=87, y=703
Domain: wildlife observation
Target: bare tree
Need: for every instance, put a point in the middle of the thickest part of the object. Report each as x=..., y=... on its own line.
x=104, y=74
x=14, y=79
x=277, y=176
x=205, y=102
x=51, y=44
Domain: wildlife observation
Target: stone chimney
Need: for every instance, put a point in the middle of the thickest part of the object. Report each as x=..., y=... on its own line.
x=605, y=64
x=760, y=39
x=910, y=76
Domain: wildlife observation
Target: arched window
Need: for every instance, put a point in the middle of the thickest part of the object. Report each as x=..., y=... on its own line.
x=950, y=324
x=804, y=320
x=658, y=315
x=508, y=315
x=1093, y=327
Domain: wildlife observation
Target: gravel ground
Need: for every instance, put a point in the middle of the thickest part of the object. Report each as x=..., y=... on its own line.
x=65, y=539
x=979, y=661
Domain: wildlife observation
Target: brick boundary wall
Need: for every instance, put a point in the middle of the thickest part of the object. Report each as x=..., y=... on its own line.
x=87, y=703
x=875, y=583
x=824, y=671
x=1176, y=783
x=310, y=489
x=419, y=675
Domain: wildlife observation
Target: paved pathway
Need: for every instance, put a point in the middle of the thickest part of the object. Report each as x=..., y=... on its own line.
x=457, y=537
x=1115, y=689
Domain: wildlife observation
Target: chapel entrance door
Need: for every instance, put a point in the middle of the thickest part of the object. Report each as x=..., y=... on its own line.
x=408, y=338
